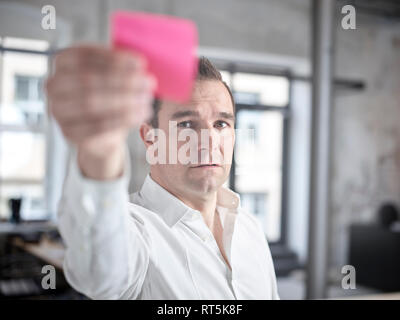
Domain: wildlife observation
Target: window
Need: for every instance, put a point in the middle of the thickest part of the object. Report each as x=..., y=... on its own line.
x=23, y=66
x=260, y=89
x=23, y=88
x=258, y=170
x=28, y=88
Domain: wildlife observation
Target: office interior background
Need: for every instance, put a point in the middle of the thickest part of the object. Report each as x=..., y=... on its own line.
x=323, y=102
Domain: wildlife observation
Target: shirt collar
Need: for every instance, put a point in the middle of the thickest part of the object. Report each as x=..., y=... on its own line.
x=171, y=209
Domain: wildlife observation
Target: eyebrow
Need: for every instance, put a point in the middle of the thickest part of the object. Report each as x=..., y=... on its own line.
x=182, y=114
x=227, y=115
x=187, y=113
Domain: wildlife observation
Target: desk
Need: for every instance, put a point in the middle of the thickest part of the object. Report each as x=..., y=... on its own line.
x=49, y=251
x=8, y=228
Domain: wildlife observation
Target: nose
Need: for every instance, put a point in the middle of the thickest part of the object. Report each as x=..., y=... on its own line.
x=209, y=138
x=209, y=145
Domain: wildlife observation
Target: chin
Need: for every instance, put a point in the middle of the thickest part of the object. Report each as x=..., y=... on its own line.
x=206, y=183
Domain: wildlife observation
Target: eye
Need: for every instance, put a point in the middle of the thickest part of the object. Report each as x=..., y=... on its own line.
x=185, y=124
x=221, y=124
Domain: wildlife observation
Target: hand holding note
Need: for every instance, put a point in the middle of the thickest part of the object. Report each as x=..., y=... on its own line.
x=97, y=94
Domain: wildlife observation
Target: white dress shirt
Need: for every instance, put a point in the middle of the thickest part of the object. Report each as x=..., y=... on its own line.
x=150, y=245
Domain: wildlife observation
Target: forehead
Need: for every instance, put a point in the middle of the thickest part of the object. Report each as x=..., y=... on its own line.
x=208, y=97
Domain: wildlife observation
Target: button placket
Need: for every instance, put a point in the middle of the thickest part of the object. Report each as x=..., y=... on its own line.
x=207, y=237
x=229, y=275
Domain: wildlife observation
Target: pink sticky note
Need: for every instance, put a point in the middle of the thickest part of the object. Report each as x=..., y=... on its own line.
x=169, y=45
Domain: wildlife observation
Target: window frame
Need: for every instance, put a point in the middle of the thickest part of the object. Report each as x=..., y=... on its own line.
x=253, y=68
x=34, y=129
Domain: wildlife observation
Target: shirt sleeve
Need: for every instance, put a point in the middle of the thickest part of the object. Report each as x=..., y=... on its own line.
x=107, y=249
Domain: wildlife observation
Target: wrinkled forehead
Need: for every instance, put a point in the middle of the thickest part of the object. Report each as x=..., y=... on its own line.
x=209, y=98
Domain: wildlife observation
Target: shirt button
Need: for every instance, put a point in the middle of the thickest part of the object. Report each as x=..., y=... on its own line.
x=106, y=203
x=88, y=204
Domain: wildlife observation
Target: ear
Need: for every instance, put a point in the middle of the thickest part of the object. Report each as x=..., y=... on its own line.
x=147, y=134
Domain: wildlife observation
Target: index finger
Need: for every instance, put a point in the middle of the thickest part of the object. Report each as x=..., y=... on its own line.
x=97, y=57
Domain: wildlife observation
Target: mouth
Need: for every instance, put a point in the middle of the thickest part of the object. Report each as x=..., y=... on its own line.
x=211, y=165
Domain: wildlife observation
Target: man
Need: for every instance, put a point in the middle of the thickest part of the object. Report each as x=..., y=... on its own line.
x=183, y=235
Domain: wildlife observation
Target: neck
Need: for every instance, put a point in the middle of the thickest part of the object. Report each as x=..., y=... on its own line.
x=206, y=203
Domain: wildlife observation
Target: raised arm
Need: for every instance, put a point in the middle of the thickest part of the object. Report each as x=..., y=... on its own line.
x=96, y=95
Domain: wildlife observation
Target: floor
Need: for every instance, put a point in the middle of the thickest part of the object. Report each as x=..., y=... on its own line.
x=293, y=288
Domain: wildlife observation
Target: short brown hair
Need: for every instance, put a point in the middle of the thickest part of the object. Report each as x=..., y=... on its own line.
x=206, y=71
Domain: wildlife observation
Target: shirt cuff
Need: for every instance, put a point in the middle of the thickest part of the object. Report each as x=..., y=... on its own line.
x=95, y=196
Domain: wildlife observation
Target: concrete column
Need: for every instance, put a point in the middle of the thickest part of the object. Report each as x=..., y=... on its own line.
x=322, y=49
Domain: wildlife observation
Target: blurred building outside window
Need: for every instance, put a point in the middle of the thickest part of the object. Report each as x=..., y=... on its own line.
x=262, y=102
x=23, y=120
